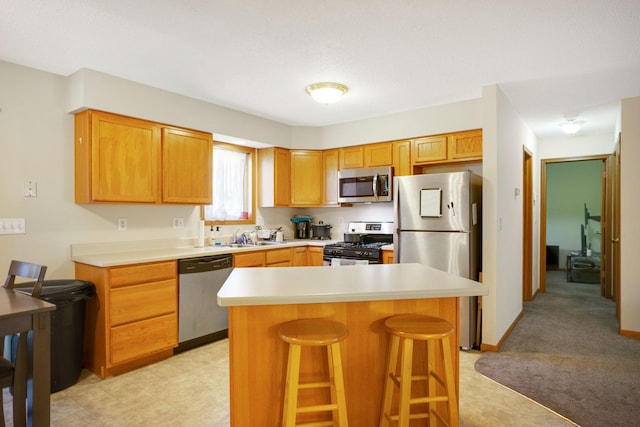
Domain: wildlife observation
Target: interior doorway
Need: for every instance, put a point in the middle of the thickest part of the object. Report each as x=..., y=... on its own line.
x=575, y=218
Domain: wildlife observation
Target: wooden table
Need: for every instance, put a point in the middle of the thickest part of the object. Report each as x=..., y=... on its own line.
x=21, y=313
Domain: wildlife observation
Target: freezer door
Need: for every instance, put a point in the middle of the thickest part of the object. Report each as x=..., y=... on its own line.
x=446, y=251
x=434, y=202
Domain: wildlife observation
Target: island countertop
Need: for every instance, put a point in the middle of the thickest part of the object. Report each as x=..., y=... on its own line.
x=307, y=285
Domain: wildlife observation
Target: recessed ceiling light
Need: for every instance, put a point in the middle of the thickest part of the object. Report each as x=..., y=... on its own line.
x=326, y=92
x=571, y=127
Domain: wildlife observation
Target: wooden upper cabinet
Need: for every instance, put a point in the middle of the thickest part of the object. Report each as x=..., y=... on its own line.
x=352, y=157
x=306, y=178
x=330, y=164
x=429, y=149
x=455, y=147
x=380, y=154
x=274, y=185
x=402, y=158
x=117, y=159
x=466, y=145
x=186, y=166
x=121, y=159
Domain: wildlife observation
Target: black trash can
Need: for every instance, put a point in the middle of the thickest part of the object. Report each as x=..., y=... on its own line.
x=67, y=328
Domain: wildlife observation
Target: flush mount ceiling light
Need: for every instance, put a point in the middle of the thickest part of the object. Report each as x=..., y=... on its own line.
x=326, y=92
x=571, y=126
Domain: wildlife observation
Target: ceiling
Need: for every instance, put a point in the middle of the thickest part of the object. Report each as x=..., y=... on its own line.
x=553, y=60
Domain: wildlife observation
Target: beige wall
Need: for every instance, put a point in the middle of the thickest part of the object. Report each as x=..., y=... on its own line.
x=629, y=210
x=36, y=134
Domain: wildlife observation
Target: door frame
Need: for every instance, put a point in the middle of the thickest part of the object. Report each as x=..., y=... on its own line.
x=543, y=215
x=527, y=225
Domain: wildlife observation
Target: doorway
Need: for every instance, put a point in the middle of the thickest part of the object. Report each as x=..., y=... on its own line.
x=573, y=218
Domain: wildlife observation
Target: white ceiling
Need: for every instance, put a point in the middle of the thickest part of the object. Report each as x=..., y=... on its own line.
x=553, y=59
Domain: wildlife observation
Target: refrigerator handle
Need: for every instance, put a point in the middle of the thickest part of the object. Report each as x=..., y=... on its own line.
x=375, y=186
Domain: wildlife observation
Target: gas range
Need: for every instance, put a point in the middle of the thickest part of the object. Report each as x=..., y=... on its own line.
x=373, y=236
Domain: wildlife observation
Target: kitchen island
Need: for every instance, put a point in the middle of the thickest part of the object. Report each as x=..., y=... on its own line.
x=360, y=296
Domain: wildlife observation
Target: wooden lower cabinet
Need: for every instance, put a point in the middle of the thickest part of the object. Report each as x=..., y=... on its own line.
x=315, y=256
x=249, y=259
x=300, y=256
x=387, y=257
x=133, y=320
x=279, y=257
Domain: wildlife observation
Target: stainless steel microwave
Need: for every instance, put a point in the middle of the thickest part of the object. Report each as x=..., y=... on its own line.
x=365, y=185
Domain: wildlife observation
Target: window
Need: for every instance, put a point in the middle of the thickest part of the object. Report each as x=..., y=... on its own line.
x=232, y=187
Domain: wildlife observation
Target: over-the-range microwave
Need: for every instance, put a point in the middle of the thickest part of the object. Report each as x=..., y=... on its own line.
x=365, y=185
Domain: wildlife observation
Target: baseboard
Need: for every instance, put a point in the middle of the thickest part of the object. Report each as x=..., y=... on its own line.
x=630, y=334
x=495, y=348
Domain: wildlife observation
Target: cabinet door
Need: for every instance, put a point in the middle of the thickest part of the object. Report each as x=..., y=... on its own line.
x=387, y=257
x=352, y=157
x=315, y=256
x=274, y=184
x=249, y=259
x=330, y=163
x=466, y=145
x=380, y=154
x=429, y=149
x=306, y=178
x=300, y=258
x=186, y=166
x=278, y=257
x=402, y=158
x=125, y=159
x=137, y=339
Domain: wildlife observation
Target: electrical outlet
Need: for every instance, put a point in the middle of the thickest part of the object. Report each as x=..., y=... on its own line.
x=122, y=224
x=12, y=226
x=178, y=223
x=30, y=189
x=340, y=220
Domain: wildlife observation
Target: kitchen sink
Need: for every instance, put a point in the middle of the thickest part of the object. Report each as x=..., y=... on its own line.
x=251, y=245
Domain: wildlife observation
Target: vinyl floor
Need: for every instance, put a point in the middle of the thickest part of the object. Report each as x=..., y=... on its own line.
x=191, y=389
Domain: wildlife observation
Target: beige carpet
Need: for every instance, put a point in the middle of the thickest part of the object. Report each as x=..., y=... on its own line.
x=566, y=353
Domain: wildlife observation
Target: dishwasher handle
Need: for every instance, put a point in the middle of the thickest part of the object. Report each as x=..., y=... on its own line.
x=203, y=264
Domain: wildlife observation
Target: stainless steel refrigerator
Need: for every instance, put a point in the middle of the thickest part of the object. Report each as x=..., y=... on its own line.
x=437, y=222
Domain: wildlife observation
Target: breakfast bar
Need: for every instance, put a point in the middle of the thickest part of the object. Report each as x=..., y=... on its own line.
x=359, y=296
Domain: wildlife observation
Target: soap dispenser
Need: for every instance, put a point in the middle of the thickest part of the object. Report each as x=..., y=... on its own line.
x=212, y=237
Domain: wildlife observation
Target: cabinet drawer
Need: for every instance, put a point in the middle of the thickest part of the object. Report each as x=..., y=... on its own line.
x=142, y=273
x=278, y=256
x=142, y=338
x=144, y=301
x=249, y=259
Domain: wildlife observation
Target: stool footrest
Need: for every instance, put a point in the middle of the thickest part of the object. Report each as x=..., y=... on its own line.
x=317, y=408
x=317, y=424
x=314, y=385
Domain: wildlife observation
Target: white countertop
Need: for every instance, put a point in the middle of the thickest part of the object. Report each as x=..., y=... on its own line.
x=106, y=255
x=376, y=282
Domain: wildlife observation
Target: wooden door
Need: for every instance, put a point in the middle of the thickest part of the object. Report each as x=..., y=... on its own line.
x=125, y=159
x=527, y=226
x=352, y=157
x=615, y=236
x=429, y=149
x=306, y=178
x=186, y=166
x=465, y=145
x=380, y=154
x=330, y=163
x=402, y=158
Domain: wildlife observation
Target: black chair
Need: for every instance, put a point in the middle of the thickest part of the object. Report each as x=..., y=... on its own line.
x=15, y=374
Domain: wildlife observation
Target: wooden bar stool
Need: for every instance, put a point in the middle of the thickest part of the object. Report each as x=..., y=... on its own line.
x=318, y=333
x=404, y=329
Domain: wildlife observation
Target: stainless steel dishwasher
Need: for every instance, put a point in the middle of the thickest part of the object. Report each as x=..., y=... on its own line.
x=200, y=319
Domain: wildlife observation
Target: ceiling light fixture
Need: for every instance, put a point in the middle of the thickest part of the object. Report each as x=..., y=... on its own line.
x=326, y=92
x=571, y=126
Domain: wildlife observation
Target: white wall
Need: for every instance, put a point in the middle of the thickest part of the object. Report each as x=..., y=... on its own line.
x=504, y=137
x=629, y=209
